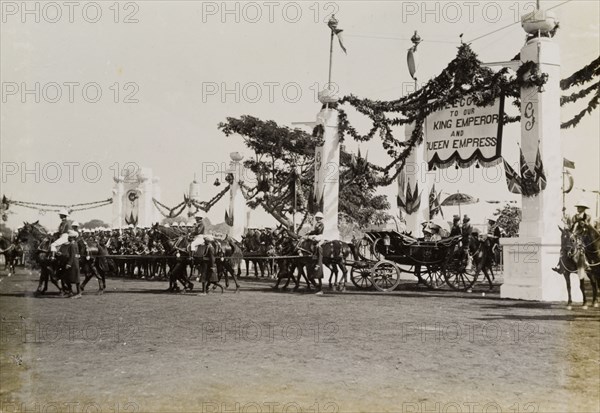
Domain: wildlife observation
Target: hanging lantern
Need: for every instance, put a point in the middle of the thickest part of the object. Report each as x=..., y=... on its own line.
x=217, y=182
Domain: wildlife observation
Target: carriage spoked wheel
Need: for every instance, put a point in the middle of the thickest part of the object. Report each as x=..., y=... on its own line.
x=434, y=277
x=385, y=276
x=458, y=274
x=360, y=275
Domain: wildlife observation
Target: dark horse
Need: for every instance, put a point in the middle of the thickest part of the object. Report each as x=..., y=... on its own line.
x=228, y=252
x=580, y=254
x=177, y=255
x=11, y=251
x=334, y=255
x=52, y=267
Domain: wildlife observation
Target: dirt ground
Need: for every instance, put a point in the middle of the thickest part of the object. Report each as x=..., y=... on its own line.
x=139, y=349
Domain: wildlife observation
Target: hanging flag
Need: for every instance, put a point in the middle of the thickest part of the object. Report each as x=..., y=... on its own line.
x=513, y=181
x=228, y=218
x=525, y=171
x=319, y=185
x=529, y=184
x=332, y=23
x=568, y=164
x=401, y=198
x=411, y=61
x=540, y=175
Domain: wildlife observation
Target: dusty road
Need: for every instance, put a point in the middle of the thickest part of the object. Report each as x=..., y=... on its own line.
x=138, y=349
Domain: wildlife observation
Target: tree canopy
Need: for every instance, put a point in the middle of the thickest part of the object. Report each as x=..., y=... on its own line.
x=284, y=161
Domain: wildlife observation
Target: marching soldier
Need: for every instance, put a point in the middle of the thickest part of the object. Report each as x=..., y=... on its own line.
x=63, y=230
x=72, y=267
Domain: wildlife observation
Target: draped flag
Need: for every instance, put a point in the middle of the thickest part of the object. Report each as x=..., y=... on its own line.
x=529, y=184
x=333, y=22
x=320, y=171
x=513, y=180
x=228, y=218
x=401, y=198
x=540, y=175
x=435, y=206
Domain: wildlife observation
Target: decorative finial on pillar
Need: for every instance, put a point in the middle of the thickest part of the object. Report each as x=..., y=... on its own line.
x=416, y=39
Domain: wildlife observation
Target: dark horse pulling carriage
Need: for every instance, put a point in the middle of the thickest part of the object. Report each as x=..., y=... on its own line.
x=385, y=255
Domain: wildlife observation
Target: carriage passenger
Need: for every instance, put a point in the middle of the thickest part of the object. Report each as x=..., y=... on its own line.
x=456, y=230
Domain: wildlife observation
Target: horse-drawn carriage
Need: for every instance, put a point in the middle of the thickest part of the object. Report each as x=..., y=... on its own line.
x=385, y=255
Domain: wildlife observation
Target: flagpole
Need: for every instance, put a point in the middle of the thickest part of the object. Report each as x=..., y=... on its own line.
x=330, y=59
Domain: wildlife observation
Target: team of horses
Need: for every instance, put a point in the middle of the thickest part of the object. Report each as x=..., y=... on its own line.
x=279, y=254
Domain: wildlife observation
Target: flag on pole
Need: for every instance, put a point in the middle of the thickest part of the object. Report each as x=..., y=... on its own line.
x=435, y=206
x=568, y=164
x=333, y=22
x=540, y=175
x=513, y=180
x=526, y=172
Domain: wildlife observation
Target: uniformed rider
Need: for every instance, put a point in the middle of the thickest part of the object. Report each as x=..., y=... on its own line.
x=63, y=231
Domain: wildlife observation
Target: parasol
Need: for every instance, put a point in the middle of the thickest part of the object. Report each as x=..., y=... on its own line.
x=460, y=199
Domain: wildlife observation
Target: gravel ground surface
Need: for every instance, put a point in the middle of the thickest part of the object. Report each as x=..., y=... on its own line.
x=139, y=349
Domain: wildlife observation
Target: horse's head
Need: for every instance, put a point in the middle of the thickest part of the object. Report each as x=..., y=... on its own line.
x=32, y=232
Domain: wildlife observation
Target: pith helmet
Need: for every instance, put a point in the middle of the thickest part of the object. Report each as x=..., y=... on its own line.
x=64, y=212
x=319, y=215
x=582, y=204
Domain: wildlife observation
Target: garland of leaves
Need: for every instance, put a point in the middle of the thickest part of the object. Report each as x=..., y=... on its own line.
x=207, y=205
x=581, y=77
x=464, y=77
x=172, y=212
x=175, y=211
x=43, y=207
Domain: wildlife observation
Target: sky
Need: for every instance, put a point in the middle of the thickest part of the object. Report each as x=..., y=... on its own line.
x=169, y=72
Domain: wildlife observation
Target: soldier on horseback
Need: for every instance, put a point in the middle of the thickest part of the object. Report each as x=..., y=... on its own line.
x=198, y=231
x=316, y=234
x=63, y=229
x=576, y=225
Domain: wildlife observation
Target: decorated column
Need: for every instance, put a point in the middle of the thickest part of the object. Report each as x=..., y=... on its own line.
x=328, y=166
x=117, y=192
x=528, y=260
x=237, y=202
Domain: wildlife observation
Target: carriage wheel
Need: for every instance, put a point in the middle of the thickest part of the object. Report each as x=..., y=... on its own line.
x=361, y=277
x=434, y=277
x=458, y=276
x=385, y=276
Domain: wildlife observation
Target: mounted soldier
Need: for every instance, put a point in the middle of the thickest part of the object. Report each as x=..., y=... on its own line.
x=316, y=235
x=581, y=219
x=63, y=230
x=198, y=232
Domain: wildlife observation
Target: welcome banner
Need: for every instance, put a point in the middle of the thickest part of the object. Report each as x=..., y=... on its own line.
x=464, y=133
